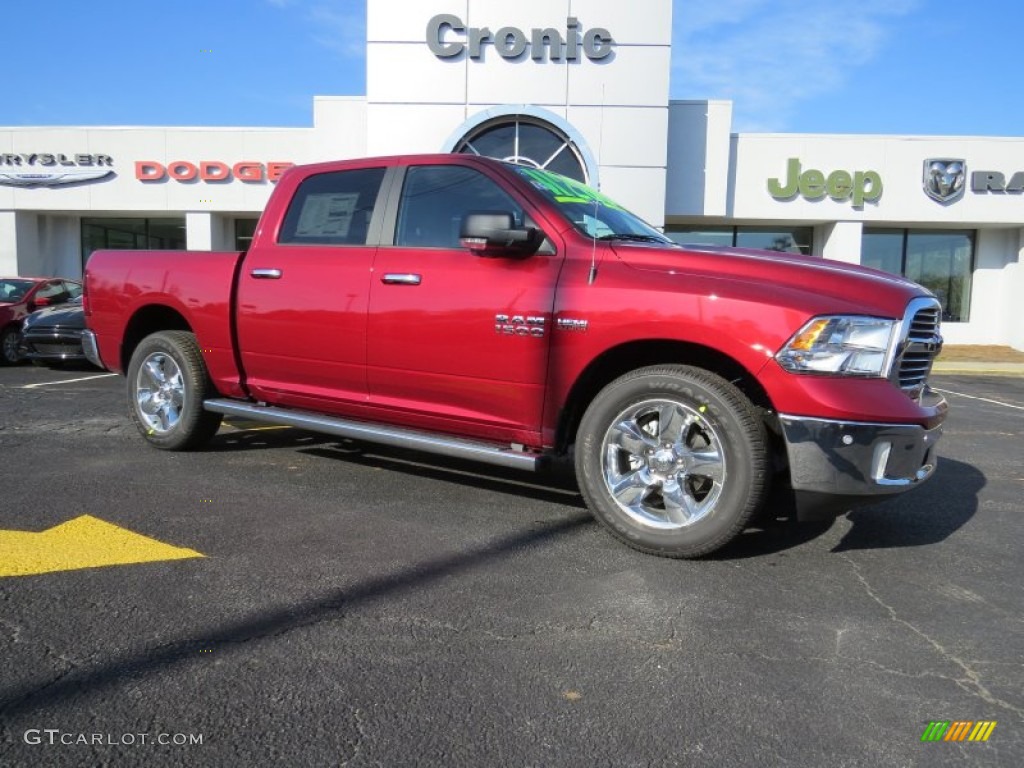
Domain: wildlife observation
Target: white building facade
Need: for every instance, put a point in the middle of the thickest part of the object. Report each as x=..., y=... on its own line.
x=580, y=87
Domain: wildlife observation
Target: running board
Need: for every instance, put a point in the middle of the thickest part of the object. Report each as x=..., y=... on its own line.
x=393, y=436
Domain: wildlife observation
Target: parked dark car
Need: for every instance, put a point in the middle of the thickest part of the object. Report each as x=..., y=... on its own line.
x=53, y=335
x=19, y=296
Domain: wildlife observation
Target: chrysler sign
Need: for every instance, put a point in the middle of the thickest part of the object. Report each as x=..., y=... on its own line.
x=48, y=169
x=448, y=37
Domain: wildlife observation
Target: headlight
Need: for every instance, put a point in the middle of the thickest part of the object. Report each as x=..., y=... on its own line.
x=844, y=345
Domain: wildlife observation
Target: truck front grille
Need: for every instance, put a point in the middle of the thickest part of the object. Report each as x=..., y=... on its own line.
x=920, y=344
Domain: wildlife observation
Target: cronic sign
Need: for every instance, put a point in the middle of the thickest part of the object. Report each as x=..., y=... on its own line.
x=448, y=37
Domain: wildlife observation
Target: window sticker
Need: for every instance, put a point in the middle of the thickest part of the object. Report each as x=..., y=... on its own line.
x=595, y=227
x=327, y=214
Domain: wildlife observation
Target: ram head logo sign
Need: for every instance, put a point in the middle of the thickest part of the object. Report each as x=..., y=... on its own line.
x=944, y=179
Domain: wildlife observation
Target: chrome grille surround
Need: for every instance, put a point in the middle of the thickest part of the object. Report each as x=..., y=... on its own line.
x=916, y=346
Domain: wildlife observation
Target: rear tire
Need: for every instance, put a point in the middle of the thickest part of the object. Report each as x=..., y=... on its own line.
x=167, y=385
x=673, y=460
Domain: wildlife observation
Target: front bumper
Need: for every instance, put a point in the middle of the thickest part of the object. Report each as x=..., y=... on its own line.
x=836, y=465
x=52, y=344
x=91, y=349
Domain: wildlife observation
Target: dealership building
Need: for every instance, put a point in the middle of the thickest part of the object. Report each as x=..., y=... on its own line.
x=580, y=87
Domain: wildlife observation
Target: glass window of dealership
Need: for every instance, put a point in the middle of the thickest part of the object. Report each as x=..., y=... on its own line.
x=940, y=260
x=149, y=234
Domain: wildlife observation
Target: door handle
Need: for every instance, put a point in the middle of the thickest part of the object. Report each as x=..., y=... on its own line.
x=266, y=274
x=395, y=278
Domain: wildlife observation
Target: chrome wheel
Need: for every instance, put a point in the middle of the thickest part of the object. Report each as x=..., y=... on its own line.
x=672, y=459
x=663, y=464
x=159, y=392
x=167, y=384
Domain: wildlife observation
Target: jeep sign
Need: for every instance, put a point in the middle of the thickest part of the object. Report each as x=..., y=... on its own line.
x=859, y=187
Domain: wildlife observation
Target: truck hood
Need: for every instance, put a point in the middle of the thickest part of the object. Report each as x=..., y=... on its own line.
x=792, y=279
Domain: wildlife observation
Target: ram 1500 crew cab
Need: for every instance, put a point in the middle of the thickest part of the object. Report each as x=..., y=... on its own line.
x=478, y=309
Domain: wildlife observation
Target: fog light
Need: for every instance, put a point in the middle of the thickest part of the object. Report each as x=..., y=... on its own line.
x=880, y=460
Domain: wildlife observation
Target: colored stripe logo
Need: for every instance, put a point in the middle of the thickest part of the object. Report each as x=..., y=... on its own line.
x=958, y=730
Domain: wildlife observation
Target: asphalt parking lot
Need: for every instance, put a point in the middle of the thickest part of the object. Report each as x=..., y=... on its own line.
x=359, y=606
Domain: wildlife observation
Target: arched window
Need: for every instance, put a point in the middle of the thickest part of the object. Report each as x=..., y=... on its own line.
x=528, y=141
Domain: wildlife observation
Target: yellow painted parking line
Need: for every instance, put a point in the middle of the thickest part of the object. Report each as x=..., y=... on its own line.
x=257, y=429
x=68, y=381
x=249, y=425
x=85, y=542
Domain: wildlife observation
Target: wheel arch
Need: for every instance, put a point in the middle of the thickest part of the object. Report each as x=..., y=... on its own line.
x=624, y=358
x=148, y=320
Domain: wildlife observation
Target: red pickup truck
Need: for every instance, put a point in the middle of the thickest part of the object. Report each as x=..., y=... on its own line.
x=489, y=311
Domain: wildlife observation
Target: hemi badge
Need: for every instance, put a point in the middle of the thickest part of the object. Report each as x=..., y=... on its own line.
x=569, y=324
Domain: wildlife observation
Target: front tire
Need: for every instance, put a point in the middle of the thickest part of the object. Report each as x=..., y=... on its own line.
x=10, y=344
x=167, y=385
x=673, y=460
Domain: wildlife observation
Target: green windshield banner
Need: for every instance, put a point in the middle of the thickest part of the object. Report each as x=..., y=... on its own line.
x=565, y=190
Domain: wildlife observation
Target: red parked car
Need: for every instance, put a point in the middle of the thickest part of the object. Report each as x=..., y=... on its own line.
x=20, y=296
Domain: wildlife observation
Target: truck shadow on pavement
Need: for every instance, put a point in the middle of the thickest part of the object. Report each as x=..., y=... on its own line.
x=254, y=437
x=926, y=515
x=555, y=485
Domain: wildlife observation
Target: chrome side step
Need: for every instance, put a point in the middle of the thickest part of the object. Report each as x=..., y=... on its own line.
x=374, y=433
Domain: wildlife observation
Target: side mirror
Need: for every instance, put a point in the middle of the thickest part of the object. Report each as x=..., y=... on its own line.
x=42, y=301
x=493, y=233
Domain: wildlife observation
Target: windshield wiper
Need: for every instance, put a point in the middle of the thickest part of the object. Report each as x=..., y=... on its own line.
x=633, y=238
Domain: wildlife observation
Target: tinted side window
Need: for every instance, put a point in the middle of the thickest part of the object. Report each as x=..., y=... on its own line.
x=437, y=197
x=53, y=291
x=332, y=208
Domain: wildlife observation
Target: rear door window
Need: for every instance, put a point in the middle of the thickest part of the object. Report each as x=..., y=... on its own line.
x=332, y=208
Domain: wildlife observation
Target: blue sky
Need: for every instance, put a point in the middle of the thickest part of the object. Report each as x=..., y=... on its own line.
x=946, y=67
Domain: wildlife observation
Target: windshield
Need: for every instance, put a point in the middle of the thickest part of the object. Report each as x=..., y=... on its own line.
x=592, y=213
x=14, y=290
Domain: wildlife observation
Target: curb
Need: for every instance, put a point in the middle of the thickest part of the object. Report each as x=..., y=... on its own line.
x=979, y=369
